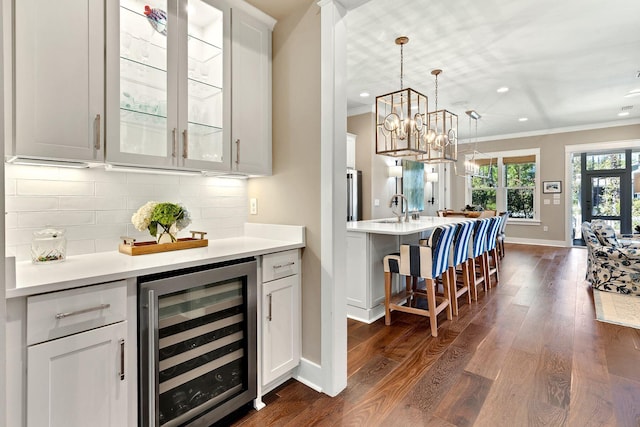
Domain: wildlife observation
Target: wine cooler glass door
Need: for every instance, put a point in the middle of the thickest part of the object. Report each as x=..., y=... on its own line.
x=199, y=345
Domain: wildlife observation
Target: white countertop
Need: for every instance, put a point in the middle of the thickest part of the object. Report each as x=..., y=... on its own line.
x=391, y=226
x=82, y=270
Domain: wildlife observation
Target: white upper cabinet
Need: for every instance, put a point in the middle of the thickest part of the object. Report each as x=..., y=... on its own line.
x=187, y=85
x=59, y=79
x=251, y=101
x=171, y=93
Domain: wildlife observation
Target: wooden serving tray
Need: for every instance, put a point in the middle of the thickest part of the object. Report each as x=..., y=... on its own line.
x=144, y=248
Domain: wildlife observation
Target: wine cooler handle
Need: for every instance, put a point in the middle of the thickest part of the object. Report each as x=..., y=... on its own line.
x=97, y=132
x=270, y=312
x=237, y=152
x=185, y=144
x=151, y=334
x=175, y=142
x=121, y=360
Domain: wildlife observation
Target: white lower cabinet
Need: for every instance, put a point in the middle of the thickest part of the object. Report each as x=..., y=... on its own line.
x=79, y=380
x=281, y=339
x=77, y=357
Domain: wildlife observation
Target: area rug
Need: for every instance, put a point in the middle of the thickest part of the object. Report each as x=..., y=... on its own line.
x=617, y=308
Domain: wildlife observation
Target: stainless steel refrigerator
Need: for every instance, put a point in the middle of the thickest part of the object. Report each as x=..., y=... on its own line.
x=354, y=195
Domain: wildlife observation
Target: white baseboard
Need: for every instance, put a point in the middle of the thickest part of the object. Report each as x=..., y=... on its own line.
x=538, y=242
x=310, y=374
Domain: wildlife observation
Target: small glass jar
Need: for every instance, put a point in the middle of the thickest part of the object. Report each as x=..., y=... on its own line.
x=49, y=245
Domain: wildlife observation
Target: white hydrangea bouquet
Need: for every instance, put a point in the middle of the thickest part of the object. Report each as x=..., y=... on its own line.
x=163, y=220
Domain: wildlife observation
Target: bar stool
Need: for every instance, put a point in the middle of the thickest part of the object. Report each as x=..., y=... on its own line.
x=460, y=258
x=491, y=252
x=476, y=249
x=501, y=233
x=426, y=262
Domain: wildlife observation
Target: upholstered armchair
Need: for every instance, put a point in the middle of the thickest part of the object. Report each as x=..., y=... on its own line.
x=613, y=264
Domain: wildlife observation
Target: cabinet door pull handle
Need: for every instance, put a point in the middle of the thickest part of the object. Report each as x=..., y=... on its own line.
x=175, y=143
x=275, y=267
x=121, y=360
x=237, y=152
x=97, y=132
x=86, y=310
x=185, y=142
x=270, y=312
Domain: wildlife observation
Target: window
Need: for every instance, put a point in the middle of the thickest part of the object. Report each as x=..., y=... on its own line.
x=483, y=191
x=520, y=184
x=507, y=182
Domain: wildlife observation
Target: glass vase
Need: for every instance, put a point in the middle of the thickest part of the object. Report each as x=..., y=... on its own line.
x=167, y=234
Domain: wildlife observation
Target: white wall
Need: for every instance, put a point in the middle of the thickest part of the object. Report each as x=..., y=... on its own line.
x=95, y=206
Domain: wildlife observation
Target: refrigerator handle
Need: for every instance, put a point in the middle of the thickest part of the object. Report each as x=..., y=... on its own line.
x=349, y=196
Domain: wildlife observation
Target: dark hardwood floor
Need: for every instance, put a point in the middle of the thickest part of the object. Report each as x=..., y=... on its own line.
x=528, y=353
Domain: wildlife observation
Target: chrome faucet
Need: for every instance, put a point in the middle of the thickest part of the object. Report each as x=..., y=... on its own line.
x=406, y=211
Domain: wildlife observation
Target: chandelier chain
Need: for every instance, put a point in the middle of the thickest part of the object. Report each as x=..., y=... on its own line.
x=436, y=93
x=401, y=66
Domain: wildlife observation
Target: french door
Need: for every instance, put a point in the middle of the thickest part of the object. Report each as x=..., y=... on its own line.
x=608, y=198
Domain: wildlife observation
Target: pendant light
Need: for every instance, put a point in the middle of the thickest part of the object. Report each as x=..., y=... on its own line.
x=401, y=118
x=442, y=134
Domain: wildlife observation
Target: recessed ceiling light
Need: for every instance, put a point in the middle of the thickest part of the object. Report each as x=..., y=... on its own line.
x=623, y=113
x=364, y=94
x=523, y=119
x=503, y=89
x=632, y=93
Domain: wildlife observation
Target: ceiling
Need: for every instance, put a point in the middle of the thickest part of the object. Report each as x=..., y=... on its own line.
x=567, y=64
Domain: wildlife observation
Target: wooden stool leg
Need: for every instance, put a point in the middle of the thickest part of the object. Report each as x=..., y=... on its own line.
x=387, y=297
x=471, y=275
x=431, y=302
x=465, y=279
x=453, y=290
x=485, y=270
x=446, y=289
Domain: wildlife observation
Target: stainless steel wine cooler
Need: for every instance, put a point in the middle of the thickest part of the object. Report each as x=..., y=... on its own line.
x=197, y=332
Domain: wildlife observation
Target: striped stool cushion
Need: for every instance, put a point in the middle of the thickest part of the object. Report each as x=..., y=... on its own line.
x=460, y=247
x=492, y=233
x=478, y=242
x=392, y=263
x=431, y=260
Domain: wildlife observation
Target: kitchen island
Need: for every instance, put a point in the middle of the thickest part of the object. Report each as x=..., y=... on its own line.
x=368, y=242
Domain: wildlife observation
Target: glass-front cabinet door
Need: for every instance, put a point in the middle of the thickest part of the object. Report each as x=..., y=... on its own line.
x=205, y=91
x=171, y=92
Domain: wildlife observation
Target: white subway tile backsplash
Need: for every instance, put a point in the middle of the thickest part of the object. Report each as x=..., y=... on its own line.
x=95, y=206
x=114, y=217
x=58, y=218
x=30, y=172
x=9, y=186
x=82, y=232
x=30, y=204
x=79, y=247
x=143, y=178
x=34, y=187
x=92, y=203
x=11, y=220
